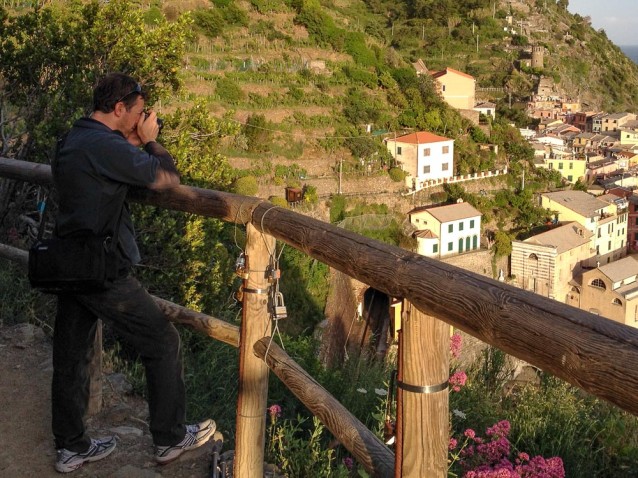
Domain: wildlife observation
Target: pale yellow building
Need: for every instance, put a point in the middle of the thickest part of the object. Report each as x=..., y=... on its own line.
x=547, y=262
x=605, y=217
x=457, y=89
x=629, y=134
x=610, y=291
x=570, y=168
x=613, y=122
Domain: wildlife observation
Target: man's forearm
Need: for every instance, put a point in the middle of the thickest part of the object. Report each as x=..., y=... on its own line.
x=166, y=160
x=166, y=176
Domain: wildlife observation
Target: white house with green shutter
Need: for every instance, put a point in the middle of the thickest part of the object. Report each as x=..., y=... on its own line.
x=446, y=230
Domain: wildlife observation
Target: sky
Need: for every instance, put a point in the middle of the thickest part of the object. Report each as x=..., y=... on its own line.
x=619, y=18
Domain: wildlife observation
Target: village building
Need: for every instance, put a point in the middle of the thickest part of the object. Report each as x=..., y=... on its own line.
x=457, y=89
x=583, y=120
x=596, y=143
x=487, y=108
x=446, y=230
x=597, y=123
x=610, y=291
x=632, y=223
x=547, y=262
x=632, y=212
x=423, y=156
x=570, y=168
x=606, y=218
x=629, y=133
x=548, y=123
x=613, y=122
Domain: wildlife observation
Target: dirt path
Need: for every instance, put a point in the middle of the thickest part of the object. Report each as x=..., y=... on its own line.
x=26, y=443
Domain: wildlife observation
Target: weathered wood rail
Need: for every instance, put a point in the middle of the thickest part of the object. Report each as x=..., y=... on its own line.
x=598, y=355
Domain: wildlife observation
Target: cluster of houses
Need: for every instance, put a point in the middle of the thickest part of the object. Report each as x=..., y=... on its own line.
x=427, y=158
x=589, y=146
x=584, y=257
x=581, y=259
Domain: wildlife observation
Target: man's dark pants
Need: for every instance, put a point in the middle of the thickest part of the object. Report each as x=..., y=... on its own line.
x=137, y=320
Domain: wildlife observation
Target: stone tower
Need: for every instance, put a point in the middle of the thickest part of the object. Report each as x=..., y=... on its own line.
x=537, y=57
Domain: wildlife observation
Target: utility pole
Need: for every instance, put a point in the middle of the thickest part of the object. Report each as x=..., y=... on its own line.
x=477, y=41
x=340, y=170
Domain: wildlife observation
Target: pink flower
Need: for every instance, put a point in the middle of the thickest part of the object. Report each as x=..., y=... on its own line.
x=541, y=467
x=348, y=463
x=522, y=456
x=452, y=444
x=456, y=341
x=457, y=380
x=470, y=433
x=274, y=411
x=501, y=429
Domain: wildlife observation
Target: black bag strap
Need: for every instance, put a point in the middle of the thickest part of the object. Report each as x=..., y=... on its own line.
x=116, y=232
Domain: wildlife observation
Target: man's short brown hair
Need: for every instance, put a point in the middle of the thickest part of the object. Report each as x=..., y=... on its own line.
x=112, y=89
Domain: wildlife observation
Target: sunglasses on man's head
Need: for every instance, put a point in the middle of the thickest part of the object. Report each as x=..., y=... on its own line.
x=136, y=89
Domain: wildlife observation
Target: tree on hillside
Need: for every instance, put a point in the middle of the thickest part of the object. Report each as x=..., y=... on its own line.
x=259, y=133
x=50, y=58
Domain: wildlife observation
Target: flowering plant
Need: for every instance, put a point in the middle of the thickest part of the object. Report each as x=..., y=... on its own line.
x=489, y=457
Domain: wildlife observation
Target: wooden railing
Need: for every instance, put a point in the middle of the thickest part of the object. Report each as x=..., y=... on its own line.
x=598, y=355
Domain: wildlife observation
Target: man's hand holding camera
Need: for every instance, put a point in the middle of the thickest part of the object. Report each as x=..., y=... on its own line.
x=148, y=127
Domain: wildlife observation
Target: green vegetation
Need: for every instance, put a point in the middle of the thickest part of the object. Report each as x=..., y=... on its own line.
x=247, y=64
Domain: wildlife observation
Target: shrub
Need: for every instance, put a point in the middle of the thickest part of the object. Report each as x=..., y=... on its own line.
x=258, y=134
x=356, y=47
x=210, y=21
x=229, y=91
x=337, y=208
x=439, y=197
x=397, y=174
x=153, y=15
x=295, y=93
x=235, y=15
x=310, y=195
x=278, y=201
x=360, y=75
x=246, y=186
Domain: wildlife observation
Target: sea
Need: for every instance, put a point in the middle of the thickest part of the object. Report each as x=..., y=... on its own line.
x=631, y=51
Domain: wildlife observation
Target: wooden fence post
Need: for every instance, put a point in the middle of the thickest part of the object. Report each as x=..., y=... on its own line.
x=425, y=362
x=253, y=372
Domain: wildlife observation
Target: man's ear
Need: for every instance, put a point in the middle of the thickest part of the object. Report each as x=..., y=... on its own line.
x=120, y=109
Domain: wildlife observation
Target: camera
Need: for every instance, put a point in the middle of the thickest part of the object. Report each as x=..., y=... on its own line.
x=160, y=121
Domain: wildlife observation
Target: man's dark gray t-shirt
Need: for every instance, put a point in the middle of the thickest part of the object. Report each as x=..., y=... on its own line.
x=93, y=172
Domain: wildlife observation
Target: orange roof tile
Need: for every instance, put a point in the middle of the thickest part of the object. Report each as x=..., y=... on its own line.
x=422, y=137
x=447, y=70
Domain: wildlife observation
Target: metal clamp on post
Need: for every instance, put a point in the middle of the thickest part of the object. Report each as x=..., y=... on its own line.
x=422, y=389
x=255, y=291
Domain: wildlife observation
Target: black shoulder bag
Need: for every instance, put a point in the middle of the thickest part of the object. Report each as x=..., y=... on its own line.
x=74, y=265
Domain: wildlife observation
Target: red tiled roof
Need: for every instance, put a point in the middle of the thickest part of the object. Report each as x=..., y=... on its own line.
x=438, y=74
x=422, y=137
x=425, y=234
x=626, y=154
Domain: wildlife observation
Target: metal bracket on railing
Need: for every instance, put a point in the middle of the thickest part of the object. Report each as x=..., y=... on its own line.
x=240, y=266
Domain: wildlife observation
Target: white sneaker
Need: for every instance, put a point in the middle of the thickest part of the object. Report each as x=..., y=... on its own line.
x=68, y=461
x=196, y=436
